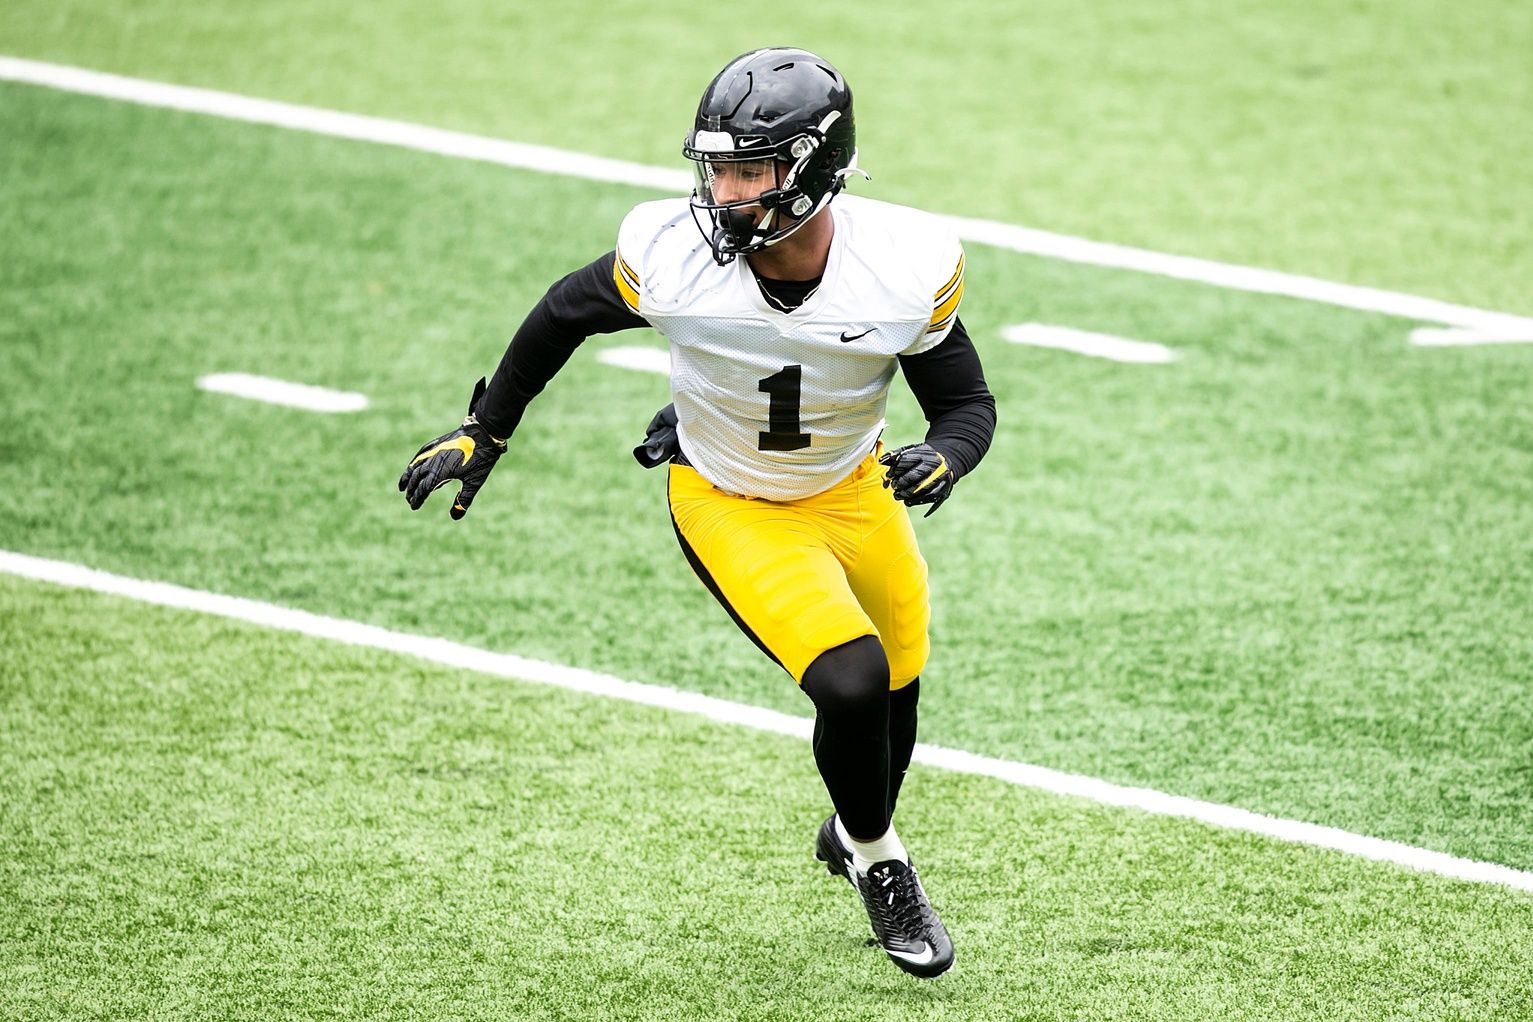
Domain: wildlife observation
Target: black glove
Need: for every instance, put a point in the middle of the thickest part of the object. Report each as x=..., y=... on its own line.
x=660, y=444
x=919, y=474
x=466, y=454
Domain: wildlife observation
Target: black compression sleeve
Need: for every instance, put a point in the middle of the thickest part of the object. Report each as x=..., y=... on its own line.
x=584, y=303
x=949, y=384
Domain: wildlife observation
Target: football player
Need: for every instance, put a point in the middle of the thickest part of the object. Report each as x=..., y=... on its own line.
x=787, y=315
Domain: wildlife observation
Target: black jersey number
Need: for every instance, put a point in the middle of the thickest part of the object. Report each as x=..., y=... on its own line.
x=784, y=389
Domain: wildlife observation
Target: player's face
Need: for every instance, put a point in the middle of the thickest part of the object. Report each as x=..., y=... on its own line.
x=731, y=181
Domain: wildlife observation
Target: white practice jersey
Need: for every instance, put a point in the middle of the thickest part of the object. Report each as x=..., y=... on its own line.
x=783, y=405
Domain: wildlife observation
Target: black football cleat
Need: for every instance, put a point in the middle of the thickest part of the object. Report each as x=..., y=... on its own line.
x=829, y=850
x=903, y=920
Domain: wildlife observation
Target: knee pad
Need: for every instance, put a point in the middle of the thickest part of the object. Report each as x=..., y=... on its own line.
x=850, y=678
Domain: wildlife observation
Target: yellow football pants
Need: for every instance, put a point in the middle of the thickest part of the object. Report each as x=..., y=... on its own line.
x=804, y=576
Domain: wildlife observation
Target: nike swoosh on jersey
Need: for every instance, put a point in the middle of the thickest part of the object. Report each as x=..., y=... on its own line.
x=848, y=340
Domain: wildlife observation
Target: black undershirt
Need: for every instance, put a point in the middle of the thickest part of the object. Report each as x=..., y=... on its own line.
x=786, y=295
x=947, y=381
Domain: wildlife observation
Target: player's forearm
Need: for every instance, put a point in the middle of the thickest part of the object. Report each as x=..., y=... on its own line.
x=963, y=434
x=949, y=384
x=536, y=353
x=581, y=304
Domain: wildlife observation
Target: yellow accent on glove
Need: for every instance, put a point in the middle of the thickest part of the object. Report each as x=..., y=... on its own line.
x=940, y=471
x=464, y=444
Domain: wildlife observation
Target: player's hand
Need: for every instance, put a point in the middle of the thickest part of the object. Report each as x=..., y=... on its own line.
x=466, y=454
x=918, y=474
x=660, y=444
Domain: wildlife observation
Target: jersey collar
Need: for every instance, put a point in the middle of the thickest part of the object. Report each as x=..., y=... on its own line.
x=812, y=305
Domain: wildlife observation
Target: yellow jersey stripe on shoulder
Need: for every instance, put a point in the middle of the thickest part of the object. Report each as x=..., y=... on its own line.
x=952, y=282
x=627, y=283
x=947, y=308
x=622, y=264
x=937, y=328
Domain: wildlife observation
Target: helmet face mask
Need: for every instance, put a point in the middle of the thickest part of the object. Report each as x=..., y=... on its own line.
x=772, y=144
x=741, y=200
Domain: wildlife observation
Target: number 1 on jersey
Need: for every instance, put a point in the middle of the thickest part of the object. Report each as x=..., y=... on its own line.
x=784, y=389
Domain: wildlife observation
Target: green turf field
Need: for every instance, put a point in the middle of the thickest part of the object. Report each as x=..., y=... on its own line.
x=1290, y=572
x=1376, y=142
x=205, y=821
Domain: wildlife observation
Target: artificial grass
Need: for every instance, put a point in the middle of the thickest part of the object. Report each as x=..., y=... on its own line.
x=1289, y=572
x=1378, y=144
x=208, y=819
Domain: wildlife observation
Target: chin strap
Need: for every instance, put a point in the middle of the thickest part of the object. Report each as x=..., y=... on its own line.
x=736, y=230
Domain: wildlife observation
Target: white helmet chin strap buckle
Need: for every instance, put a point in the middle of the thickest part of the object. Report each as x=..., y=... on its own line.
x=765, y=228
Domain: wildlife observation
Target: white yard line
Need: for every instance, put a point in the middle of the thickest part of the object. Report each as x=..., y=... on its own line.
x=1452, y=337
x=340, y=125
x=676, y=181
x=648, y=360
x=1084, y=342
x=283, y=392
x=506, y=665
x=1238, y=278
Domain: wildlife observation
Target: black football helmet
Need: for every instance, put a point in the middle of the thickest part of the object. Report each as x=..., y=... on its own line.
x=779, y=108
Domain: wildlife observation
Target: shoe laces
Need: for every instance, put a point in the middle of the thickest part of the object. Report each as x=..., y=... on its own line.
x=898, y=897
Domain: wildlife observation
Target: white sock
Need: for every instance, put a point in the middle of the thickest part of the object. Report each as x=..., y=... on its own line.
x=866, y=853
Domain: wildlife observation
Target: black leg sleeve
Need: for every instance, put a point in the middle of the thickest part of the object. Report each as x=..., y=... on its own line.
x=849, y=686
x=902, y=736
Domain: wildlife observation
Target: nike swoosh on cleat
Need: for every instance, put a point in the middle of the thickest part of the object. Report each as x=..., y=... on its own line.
x=848, y=340
x=924, y=958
